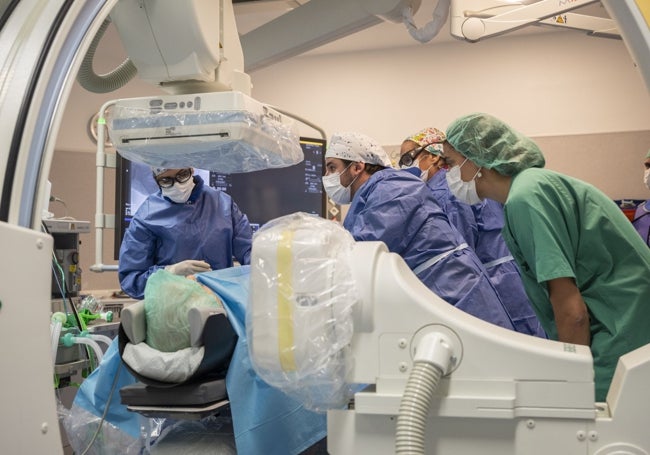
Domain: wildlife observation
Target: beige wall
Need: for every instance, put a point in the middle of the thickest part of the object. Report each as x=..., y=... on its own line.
x=580, y=97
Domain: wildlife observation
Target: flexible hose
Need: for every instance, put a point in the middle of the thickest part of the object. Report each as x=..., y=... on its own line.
x=56, y=325
x=108, y=82
x=101, y=338
x=414, y=408
x=55, y=334
x=430, y=30
x=93, y=344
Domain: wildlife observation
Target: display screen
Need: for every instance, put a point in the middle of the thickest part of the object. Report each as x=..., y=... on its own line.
x=261, y=195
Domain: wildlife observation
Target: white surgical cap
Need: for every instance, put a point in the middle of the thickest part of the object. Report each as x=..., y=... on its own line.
x=357, y=147
x=158, y=170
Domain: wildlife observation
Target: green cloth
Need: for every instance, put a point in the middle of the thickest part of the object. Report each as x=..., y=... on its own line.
x=167, y=302
x=557, y=226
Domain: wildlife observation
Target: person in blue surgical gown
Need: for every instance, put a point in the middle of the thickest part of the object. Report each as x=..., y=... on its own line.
x=641, y=219
x=584, y=267
x=397, y=208
x=480, y=224
x=186, y=227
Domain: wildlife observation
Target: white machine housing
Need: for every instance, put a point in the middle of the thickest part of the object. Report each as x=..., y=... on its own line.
x=207, y=50
x=221, y=131
x=505, y=393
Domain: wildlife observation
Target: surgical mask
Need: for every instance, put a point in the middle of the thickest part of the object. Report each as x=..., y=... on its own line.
x=335, y=190
x=646, y=178
x=464, y=191
x=424, y=175
x=179, y=192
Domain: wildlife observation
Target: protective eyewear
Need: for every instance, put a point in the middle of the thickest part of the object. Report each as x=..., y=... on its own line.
x=409, y=157
x=181, y=176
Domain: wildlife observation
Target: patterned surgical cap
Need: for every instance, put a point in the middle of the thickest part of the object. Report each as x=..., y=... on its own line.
x=158, y=170
x=357, y=147
x=432, y=137
x=490, y=143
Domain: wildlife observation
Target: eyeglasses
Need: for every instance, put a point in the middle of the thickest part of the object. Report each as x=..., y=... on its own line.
x=410, y=156
x=181, y=176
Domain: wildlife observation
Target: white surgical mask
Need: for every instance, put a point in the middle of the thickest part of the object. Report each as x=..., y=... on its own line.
x=646, y=178
x=335, y=190
x=179, y=192
x=464, y=191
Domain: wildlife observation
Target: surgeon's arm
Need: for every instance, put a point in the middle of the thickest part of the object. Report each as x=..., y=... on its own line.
x=571, y=315
x=242, y=236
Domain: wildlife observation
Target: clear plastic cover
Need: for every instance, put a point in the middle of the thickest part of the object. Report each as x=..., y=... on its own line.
x=225, y=141
x=299, y=319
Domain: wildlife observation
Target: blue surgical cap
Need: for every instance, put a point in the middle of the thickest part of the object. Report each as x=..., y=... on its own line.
x=490, y=143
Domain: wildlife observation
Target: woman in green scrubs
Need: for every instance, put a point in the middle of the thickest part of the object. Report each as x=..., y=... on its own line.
x=585, y=268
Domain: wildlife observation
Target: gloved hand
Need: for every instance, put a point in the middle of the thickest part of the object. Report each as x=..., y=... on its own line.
x=188, y=267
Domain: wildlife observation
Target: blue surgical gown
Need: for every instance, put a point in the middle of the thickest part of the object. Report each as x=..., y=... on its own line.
x=481, y=226
x=641, y=221
x=492, y=250
x=460, y=215
x=265, y=420
x=398, y=209
x=208, y=227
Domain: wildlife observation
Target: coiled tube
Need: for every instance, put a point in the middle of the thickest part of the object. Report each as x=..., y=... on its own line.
x=414, y=408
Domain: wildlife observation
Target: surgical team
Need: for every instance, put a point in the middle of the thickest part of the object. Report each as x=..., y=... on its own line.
x=473, y=213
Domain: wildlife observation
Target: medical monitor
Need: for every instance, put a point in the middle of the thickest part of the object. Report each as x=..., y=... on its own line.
x=261, y=195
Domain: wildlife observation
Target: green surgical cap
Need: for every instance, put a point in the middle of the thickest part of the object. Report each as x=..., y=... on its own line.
x=492, y=144
x=648, y=154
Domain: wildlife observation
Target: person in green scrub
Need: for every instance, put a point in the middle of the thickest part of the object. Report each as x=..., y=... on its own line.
x=585, y=268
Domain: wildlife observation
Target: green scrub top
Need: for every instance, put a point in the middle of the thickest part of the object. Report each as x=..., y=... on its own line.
x=557, y=226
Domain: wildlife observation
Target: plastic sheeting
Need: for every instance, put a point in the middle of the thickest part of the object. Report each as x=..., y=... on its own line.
x=299, y=320
x=244, y=136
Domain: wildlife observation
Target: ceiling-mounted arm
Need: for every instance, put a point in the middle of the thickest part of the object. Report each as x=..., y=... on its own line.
x=314, y=24
x=597, y=26
x=476, y=19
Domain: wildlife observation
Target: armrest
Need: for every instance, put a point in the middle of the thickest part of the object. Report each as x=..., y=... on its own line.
x=197, y=317
x=134, y=322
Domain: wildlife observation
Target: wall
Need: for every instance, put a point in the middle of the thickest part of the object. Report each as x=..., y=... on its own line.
x=580, y=97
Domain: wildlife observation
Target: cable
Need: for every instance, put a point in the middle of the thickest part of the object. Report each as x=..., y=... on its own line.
x=61, y=201
x=103, y=418
x=302, y=120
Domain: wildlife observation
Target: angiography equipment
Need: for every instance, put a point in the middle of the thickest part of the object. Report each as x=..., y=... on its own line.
x=434, y=379
x=483, y=387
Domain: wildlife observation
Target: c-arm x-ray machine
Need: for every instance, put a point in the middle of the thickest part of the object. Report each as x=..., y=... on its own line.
x=512, y=394
x=434, y=379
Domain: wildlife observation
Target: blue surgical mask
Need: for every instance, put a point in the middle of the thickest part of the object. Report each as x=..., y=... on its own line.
x=414, y=169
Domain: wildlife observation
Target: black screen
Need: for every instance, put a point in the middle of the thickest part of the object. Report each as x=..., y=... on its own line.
x=261, y=195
